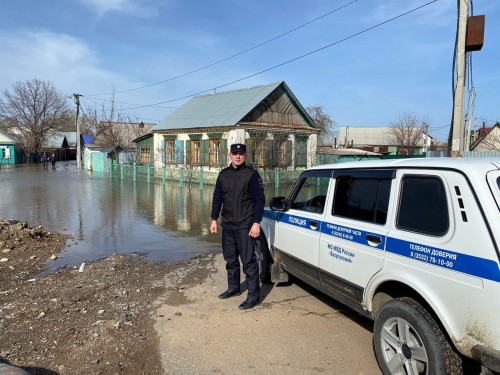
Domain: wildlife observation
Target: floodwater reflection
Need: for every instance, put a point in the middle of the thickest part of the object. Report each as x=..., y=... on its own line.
x=106, y=216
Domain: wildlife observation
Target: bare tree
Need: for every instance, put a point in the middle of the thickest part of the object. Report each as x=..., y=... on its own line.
x=68, y=123
x=115, y=129
x=406, y=133
x=323, y=122
x=33, y=110
x=278, y=151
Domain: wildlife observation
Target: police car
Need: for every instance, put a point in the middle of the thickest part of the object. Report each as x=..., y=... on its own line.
x=411, y=243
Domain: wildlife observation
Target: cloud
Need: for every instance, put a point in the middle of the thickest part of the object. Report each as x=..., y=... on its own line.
x=72, y=66
x=136, y=7
x=65, y=60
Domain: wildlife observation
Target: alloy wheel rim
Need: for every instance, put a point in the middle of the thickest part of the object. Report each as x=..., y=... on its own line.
x=403, y=349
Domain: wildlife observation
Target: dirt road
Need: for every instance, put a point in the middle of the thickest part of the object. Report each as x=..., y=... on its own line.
x=294, y=331
x=123, y=315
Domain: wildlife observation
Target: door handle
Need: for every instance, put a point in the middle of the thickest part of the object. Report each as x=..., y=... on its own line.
x=313, y=224
x=373, y=238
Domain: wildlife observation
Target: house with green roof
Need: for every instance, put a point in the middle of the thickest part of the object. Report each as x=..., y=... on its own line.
x=269, y=119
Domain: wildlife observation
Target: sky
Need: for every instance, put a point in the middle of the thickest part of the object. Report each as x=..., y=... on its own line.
x=366, y=62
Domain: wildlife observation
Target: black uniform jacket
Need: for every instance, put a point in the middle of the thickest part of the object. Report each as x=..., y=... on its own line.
x=240, y=194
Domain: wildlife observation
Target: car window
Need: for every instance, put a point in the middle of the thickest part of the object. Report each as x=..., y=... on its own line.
x=423, y=207
x=365, y=199
x=311, y=194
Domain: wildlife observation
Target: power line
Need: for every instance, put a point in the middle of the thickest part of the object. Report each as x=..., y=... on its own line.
x=95, y=100
x=236, y=54
x=439, y=127
x=291, y=60
x=109, y=111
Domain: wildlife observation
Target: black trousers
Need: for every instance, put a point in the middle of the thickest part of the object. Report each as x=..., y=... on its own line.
x=237, y=243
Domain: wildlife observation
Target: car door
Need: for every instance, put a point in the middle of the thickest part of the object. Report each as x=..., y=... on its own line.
x=298, y=229
x=354, y=231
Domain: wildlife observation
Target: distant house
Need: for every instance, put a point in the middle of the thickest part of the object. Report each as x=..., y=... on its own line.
x=145, y=149
x=375, y=139
x=269, y=119
x=489, y=139
x=8, y=148
x=330, y=154
x=121, y=134
x=62, y=145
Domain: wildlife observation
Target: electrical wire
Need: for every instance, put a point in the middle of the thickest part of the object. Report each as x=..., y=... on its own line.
x=438, y=127
x=234, y=55
x=103, y=101
x=291, y=60
x=104, y=110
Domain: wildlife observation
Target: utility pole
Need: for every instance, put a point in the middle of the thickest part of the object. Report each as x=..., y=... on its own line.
x=469, y=119
x=76, y=97
x=458, y=100
x=426, y=139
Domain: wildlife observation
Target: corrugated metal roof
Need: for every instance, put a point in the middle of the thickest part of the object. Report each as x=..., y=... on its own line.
x=221, y=109
x=7, y=138
x=369, y=135
x=56, y=140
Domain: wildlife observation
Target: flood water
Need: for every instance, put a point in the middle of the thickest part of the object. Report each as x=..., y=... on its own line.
x=107, y=216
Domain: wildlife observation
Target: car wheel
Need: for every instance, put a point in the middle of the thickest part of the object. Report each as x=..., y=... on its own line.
x=263, y=259
x=408, y=341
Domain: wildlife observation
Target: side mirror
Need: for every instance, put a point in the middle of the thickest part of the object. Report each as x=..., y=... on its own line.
x=278, y=204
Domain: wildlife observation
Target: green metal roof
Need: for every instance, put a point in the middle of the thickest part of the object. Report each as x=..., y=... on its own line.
x=221, y=109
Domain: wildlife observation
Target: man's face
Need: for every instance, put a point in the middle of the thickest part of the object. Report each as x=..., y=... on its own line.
x=237, y=158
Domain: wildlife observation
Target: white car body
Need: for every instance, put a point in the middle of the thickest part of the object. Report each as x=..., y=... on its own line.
x=365, y=263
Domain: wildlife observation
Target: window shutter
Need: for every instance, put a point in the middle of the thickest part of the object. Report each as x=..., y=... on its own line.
x=269, y=154
x=188, y=152
x=301, y=152
x=250, y=153
x=179, y=152
x=288, y=153
x=223, y=152
x=162, y=151
x=205, y=155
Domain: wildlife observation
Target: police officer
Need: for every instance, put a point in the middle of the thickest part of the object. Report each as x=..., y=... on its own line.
x=240, y=193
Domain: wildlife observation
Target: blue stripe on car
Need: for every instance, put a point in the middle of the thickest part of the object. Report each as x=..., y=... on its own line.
x=468, y=264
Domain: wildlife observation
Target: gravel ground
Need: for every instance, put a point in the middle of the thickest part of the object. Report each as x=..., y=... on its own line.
x=123, y=315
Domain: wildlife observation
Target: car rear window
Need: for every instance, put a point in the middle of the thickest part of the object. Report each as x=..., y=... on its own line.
x=423, y=206
x=365, y=199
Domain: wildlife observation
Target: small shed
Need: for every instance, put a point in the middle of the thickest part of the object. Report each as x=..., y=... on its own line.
x=97, y=159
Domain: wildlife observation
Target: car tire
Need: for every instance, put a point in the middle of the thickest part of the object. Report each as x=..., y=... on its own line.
x=263, y=259
x=408, y=341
